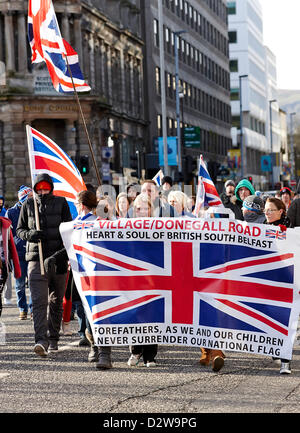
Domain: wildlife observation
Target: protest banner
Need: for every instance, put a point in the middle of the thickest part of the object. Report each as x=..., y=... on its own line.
x=216, y=283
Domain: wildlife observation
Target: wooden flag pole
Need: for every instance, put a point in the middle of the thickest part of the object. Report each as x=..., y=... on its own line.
x=84, y=123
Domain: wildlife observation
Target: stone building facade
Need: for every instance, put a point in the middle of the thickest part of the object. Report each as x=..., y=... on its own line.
x=204, y=77
x=111, y=59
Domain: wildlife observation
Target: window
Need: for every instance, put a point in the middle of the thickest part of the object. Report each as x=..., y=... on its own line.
x=234, y=94
x=155, y=30
x=157, y=80
x=232, y=36
x=231, y=8
x=233, y=65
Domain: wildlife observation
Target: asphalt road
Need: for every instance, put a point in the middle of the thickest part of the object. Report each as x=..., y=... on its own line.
x=66, y=383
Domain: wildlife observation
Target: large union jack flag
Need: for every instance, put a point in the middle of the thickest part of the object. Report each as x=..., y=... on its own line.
x=207, y=194
x=214, y=285
x=48, y=46
x=45, y=156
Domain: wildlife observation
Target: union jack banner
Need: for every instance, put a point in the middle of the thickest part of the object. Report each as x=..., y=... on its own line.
x=48, y=46
x=207, y=194
x=145, y=286
x=45, y=156
x=275, y=234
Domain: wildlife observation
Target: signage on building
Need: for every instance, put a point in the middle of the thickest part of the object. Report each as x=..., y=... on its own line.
x=107, y=152
x=43, y=85
x=172, y=150
x=192, y=136
x=266, y=163
x=106, y=171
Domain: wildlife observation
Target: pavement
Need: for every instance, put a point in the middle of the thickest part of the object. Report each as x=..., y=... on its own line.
x=66, y=383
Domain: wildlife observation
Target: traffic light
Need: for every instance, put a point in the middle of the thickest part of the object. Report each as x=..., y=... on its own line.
x=250, y=179
x=84, y=164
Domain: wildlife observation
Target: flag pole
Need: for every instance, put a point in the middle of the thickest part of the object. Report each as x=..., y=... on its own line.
x=36, y=211
x=84, y=123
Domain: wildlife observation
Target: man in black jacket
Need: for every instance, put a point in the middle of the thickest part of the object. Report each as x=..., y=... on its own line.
x=47, y=289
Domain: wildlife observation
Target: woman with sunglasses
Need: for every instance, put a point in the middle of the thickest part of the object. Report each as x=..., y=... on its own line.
x=275, y=212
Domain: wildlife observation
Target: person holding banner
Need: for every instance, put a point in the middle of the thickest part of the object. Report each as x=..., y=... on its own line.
x=179, y=200
x=47, y=288
x=122, y=205
x=86, y=206
x=143, y=207
x=275, y=212
x=161, y=207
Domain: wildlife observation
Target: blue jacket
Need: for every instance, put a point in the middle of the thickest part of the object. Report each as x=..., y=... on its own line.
x=13, y=214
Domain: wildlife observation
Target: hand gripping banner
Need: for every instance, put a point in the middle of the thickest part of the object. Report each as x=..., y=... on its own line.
x=216, y=283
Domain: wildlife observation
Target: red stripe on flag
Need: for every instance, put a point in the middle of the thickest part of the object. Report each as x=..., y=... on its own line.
x=108, y=259
x=254, y=315
x=122, y=306
x=56, y=167
x=53, y=146
x=252, y=263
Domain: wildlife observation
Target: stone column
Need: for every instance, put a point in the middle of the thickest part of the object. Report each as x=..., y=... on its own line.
x=109, y=74
x=71, y=138
x=78, y=38
x=65, y=27
x=9, y=41
x=22, y=52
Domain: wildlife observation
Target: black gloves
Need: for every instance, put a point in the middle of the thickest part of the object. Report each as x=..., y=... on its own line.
x=35, y=236
x=49, y=264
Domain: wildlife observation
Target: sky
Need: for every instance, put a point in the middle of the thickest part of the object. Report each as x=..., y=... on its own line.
x=281, y=29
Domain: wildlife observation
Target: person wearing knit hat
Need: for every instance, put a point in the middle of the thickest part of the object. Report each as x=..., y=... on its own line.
x=286, y=196
x=13, y=214
x=229, y=187
x=24, y=192
x=253, y=209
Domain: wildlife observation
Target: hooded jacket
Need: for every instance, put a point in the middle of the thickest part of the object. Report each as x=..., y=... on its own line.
x=246, y=184
x=52, y=211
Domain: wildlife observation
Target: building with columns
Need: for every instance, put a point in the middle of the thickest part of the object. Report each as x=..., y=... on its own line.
x=111, y=59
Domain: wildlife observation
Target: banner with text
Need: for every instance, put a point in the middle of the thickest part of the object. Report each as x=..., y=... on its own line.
x=216, y=283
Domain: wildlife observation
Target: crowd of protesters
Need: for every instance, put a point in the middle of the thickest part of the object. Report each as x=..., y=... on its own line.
x=53, y=294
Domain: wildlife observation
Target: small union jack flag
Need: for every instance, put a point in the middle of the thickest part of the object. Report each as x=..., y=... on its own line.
x=47, y=157
x=83, y=225
x=207, y=194
x=275, y=234
x=48, y=46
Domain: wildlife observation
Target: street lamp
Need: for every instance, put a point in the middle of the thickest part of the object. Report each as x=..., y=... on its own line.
x=176, y=37
x=241, y=124
x=292, y=148
x=271, y=140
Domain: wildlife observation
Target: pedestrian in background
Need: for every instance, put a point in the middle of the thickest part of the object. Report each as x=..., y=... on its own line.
x=13, y=214
x=8, y=253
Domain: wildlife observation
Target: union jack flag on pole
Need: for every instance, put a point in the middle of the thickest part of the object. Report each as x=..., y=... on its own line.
x=47, y=45
x=207, y=194
x=47, y=157
x=158, y=177
x=210, y=282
